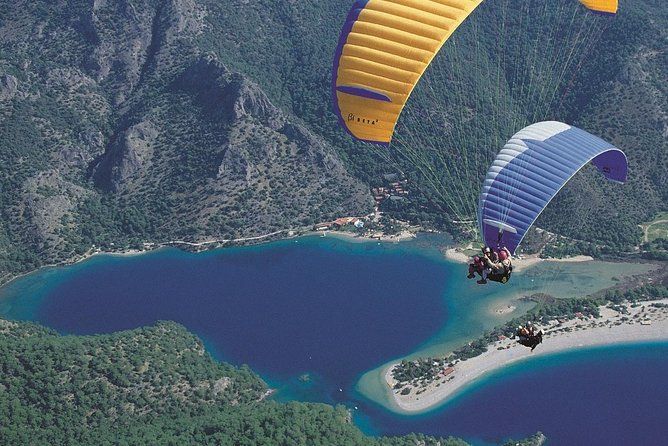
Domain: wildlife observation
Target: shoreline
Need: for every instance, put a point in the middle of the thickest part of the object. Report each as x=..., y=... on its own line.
x=403, y=236
x=408, y=233
x=82, y=258
x=520, y=263
x=643, y=323
x=421, y=405
x=149, y=247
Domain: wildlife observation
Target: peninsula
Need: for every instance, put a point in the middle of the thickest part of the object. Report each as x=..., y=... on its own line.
x=422, y=384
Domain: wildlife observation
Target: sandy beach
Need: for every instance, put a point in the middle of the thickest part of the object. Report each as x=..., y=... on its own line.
x=505, y=309
x=406, y=234
x=643, y=323
x=519, y=263
x=456, y=255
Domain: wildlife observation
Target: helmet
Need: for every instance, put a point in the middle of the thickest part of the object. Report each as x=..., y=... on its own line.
x=503, y=254
x=487, y=250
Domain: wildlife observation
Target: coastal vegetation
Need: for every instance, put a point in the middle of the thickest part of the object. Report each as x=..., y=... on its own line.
x=535, y=440
x=656, y=249
x=153, y=385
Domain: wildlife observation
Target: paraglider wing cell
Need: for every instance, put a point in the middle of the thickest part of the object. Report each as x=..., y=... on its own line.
x=531, y=169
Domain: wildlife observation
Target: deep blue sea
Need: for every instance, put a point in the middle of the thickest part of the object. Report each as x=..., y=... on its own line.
x=312, y=315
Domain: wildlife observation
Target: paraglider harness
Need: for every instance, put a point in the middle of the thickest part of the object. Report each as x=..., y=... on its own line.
x=530, y=341
x=501, y=277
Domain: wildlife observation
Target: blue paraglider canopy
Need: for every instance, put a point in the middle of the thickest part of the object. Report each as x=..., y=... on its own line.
x=531, y=169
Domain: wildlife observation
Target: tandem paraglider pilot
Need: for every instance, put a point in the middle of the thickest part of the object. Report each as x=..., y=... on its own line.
x=528, y=337
x=495, y=266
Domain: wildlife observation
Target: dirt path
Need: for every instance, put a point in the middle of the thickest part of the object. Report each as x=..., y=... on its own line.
x=646, y=228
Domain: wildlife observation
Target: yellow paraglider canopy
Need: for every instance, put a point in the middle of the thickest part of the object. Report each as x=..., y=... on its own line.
x=384, y=48
x=609, y=6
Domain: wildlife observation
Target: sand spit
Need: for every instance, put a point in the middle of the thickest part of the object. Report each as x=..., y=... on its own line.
x=643, y=322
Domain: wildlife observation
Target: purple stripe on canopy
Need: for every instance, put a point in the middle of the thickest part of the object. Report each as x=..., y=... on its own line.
x=364, y=92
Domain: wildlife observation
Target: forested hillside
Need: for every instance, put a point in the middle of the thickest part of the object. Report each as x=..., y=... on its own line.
x=147, y=121
x=119, y=126
x=154, y=385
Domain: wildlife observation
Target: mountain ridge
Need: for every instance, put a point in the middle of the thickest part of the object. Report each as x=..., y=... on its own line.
x=132, y=123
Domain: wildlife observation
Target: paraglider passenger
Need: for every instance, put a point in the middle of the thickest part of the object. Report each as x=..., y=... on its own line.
x=477, y=265
x=490, y=255
x=490, y=263
x=483, y=265
x=528, y=337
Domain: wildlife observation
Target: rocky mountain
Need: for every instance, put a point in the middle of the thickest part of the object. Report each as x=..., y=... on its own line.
x=616, y=89
x=241, y=166
x=119, y=126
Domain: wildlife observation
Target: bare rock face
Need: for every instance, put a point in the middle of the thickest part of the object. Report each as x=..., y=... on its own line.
x=221, y=384
x=269, y=164
x=277, y=161
x=186, y=20
x=119, y=54
x=127, y=157
x=8, y=87
x=256, y=127
x=139, y=39
x=256, y=168
x=46, y=200
x=246, y=99
x=227, y=96
x=69, y=79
